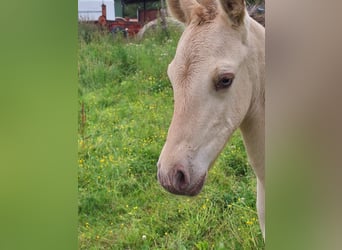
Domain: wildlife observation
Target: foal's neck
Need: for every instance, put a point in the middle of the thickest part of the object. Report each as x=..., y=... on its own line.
x=253, y=126
x=253, y=132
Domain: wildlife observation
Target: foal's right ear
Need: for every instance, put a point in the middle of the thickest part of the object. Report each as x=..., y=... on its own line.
x=182, y=9
x=235, y=9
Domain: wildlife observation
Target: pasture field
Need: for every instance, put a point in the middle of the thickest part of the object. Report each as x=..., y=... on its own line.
x=125, y=107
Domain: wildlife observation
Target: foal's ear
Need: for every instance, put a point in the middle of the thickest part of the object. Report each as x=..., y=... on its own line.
x=235, y=9
x=182, y=9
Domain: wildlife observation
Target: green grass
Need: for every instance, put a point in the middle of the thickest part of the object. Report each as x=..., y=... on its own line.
x=125, y=101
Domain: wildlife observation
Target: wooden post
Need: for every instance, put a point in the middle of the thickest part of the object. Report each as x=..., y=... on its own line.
x=163, y=17
x=144, y=11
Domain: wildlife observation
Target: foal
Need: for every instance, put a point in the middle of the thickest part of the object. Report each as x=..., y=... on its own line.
x=218, y=79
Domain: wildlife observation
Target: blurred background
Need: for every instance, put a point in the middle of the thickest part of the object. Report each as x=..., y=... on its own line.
x=40, y=111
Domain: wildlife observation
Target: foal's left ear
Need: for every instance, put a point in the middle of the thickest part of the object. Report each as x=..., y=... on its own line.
x=235, y=9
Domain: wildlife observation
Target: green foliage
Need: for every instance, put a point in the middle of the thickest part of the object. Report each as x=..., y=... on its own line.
x=126, y=105
x=255, y=2
x=130, y=10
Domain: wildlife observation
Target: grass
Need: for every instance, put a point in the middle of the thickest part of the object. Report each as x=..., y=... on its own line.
x=125, y=101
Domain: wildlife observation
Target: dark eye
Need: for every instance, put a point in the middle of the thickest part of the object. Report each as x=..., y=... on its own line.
x=224, y=81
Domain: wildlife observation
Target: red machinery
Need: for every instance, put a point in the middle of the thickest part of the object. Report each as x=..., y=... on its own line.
x=128, y=26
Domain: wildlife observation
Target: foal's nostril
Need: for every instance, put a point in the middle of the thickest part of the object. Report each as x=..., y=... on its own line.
x=181, y=179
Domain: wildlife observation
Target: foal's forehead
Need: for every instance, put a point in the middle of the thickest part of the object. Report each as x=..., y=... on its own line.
x=198, y=41
x=206, y=42
x=193, y=54
x=202, y=49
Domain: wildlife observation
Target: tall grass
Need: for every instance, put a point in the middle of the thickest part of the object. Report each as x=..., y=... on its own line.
x=125, y=109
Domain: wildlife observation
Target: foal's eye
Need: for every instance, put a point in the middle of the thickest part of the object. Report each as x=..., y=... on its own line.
x=224, y=81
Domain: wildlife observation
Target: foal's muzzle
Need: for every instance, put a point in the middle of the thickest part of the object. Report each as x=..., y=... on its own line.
x=178, y=181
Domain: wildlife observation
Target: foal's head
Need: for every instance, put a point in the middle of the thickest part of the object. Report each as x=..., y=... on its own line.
x=212, y=83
